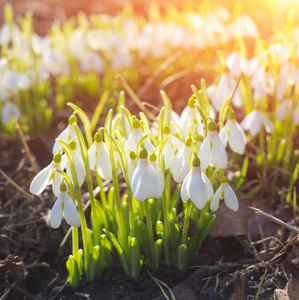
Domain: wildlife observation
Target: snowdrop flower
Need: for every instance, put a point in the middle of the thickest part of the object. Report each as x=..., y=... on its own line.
x=212, y=150
x=98, y=156
x=172, y=145
x=284, y=108
x=254, y=121
x=92, y=61
x=237, y=64
x=47, y=176
x=196, y=186
x=9, y=110
x=134, y=138
x=190, y=116
x=225, y=192
x=224, y=88
x=262, y=82
x=296, y=116
x=145, y=181
x=64, y=207
x=233, y=133
x=66, y=135
x=180, y=165
x=78, y=161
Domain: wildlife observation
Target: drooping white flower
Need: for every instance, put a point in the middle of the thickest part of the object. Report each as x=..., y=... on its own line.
x=66, y=135
x=283, y=109
x=170, y=147
x=99, y=158
x=78, y=162
x=47, y=176
x=296, y=116
x=254, y=121
x=212, y=150
x=224, y=89
x=145, y=181
x=134, y=138
x=225, y=192
x=92, y=61
x=196, y=186
x=180, y=165
x=9, y=110
x=237, y=64
x=64, y=207
x=233, y=133
x=132, y=164
x=190, y=116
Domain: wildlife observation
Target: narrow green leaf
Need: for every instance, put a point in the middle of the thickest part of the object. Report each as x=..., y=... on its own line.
x=72, y=267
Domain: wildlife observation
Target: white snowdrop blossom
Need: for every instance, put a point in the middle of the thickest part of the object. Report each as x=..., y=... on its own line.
x=134, y=138
x=284, y=108
x=296, y=116
x=66, y=135
x=180, y=165
x=170, y=147
x=78, y=162
x=145, y=181
x=212, y=150
x=196, y=186
x=233, y=133
x=225, y=192
x=92, y=61
x=224, y=89
x=237, y=64
x=47, y=176
x=132, y=164
x=190, y=116
x=99, y=158
x=64, y=207
x=254, y=121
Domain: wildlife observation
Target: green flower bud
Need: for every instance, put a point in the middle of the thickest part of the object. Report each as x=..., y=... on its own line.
x=133, y=155
x=152, y=157
x=166, y=129
x=73, y=145
x=196, y=162
x=98, y=137
x=212, y=126
x=63, y=187
x=188, y=142
x=231, y=115
x=143, y=153
x=72, y=119
x=136, y=123
x=223, y=179
x=57, y=158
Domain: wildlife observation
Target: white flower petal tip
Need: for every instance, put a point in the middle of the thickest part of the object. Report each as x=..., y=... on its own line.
x=225, y=192
x=64, y=207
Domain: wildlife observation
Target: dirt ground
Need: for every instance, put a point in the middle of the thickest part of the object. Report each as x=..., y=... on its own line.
x=246, y=254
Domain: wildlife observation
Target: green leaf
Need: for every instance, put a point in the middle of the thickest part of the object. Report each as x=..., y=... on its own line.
x=145, y=242
x=72, y=267
x=135, y=260
x=98, y=110
x=182, y=257
x=157, y=254
x=93, y=263
x=120, y=251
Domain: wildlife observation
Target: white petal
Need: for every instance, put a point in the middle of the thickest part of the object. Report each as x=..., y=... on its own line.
x=79, y=166
x=41, y=180
x=180, y=166
x=252, y=123
x=296, y=116
x=154, y=183
x=56, y=213
x=57, y=180
x=230, y=198
x=281, y=111
x=70, y=212
x=216, y=199
x=103, y=163
x=210, y=191
x=218, y=154
x=140, y=188
x=237, y=138
x=185, y=188
x=223, y=134
x=65, y=136
x=168, y=154
x=92, y=156
x=205, y=152
x=267, y=123
x=197, y=189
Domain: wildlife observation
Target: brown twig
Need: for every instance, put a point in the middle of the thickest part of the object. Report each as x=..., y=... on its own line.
x=27, y=149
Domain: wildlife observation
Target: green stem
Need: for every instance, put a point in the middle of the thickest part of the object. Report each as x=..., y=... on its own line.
x=186, y=222
x=75, y=242
x=102, y=193
x=149, y=223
